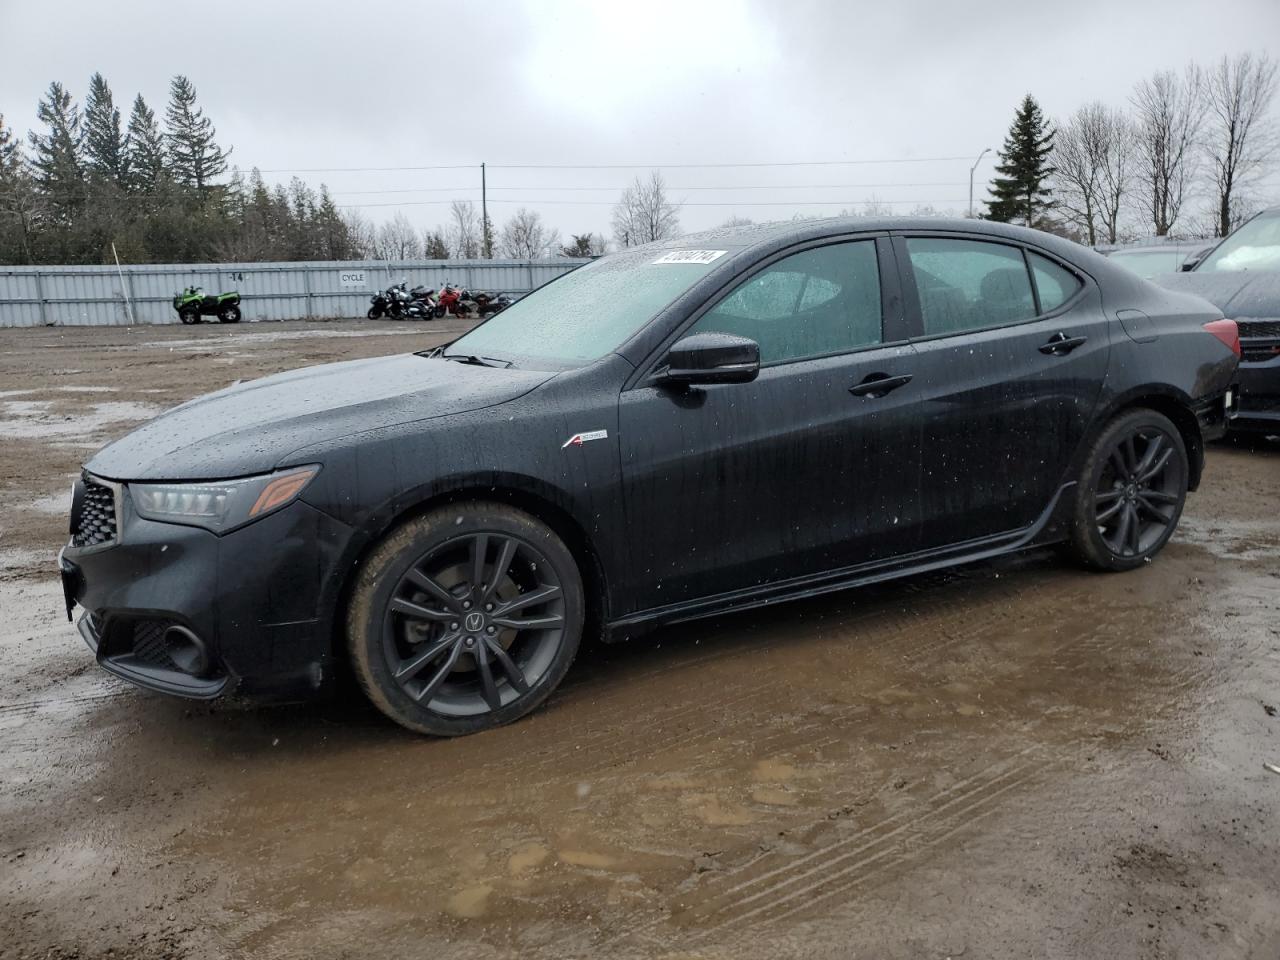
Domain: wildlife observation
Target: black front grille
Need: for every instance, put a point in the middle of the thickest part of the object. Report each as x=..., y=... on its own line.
x=93, y=520
x=150, y=644
x=1259, y=328
x=1257, y=353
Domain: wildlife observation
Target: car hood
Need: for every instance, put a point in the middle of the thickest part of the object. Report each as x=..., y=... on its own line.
x=1239, y=294
x=253, y=427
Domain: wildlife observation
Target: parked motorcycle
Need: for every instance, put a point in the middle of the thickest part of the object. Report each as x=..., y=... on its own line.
x=450, y=300
x=193, y=303
x=488, y=304
x=381, y=305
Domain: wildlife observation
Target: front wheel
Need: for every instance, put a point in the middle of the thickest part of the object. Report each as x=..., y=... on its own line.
x=1130, y=492
x=189, y=315
x=229, y=314
x=465, y=618
x=374, y=313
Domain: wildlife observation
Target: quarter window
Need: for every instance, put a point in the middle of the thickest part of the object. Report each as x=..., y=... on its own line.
x=811, y=304
x=969, y=284
x=1054, y=284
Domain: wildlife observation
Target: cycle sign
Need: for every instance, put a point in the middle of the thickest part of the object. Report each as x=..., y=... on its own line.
x=352, y=278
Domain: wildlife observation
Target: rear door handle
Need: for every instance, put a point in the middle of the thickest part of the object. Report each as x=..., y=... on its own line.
x=1060, y=344
x=878, y=384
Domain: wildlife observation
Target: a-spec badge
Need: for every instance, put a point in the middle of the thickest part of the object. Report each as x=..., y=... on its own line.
x=578, y=439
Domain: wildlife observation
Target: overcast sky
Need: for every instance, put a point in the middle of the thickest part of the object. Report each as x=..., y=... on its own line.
x=300, y=86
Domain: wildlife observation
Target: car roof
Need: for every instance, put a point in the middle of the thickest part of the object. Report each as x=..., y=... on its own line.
x=780, y=233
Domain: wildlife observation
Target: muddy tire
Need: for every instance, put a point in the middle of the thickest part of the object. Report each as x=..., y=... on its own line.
x=1130, y=492
x=465, y=618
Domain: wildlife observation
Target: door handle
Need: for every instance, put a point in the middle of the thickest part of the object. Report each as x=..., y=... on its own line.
x=878, y=384
x=1060, y=344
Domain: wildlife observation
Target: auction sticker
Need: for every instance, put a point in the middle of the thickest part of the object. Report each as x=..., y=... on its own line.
x=691, y=256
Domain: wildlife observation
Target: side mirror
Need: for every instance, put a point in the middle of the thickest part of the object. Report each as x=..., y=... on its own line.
x=713, y=358
x=1190, y=264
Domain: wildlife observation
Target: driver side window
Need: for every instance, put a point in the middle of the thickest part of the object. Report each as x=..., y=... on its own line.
x=811, y=304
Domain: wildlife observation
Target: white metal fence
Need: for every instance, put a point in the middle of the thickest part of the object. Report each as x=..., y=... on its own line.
x=101, y=296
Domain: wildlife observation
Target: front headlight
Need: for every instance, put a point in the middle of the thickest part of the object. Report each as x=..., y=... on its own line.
x=221, y=505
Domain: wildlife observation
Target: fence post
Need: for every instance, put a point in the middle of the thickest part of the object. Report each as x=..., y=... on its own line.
x=529, y=283
x=44, y=309
x=306, y=282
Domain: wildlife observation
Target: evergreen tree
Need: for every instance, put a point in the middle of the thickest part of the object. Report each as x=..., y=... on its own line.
x=56, y=154
x=17, y=206
x=144, y=167
x=194, y=157
x=1019, y=191
x=103, y=144
x=435, y=246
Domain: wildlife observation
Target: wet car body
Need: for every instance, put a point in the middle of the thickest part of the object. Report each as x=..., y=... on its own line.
x=676, y=503
x=1251, y=297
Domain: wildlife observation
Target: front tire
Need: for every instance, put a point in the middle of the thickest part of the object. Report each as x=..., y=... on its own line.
x=465, y=618
x=1130, y=492
x=230, y=314
x=374, y=313
x=189, y=316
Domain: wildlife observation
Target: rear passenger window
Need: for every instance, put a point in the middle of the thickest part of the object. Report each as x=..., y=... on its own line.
x=811, y=304
x=1054, y=284
x=969, y=284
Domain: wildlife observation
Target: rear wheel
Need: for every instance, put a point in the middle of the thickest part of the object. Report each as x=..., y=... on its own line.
x=229, y=314
x=464, y=619
x=1130, y=493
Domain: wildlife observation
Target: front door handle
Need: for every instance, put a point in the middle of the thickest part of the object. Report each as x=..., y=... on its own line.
x=1060, y=344
x=878, y=384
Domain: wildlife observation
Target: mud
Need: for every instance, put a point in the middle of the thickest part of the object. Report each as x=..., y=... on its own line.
x=1014, y=759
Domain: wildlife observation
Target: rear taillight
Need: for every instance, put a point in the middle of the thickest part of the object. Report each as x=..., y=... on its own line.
x=1227, y=332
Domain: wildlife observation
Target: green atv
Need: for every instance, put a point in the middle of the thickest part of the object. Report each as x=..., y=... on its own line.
x=193, y=303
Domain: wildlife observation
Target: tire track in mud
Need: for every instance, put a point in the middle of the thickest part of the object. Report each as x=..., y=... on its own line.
x=777, y=886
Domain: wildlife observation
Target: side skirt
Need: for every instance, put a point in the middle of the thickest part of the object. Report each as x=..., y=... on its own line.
x=1049, y=527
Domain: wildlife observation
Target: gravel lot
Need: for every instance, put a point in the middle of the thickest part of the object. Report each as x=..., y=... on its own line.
x=1014, y=759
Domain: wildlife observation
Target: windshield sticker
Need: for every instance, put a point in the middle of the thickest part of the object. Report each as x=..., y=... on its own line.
x=690, y=256
x=578, y=439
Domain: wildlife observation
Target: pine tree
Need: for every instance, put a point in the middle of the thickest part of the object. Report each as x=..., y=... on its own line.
x=194, y=158
x=1019, y=192
x=16, y=201
x=144, y=167
x=56, y=155
x=104, y=147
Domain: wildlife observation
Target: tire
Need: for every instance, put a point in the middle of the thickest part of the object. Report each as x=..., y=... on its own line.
x=1130, y=493
x=429, y=642
x=229, y=314
x=189, y=316
x=374, y=313
x=439, y=312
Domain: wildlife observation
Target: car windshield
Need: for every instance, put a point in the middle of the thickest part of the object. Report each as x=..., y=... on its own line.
x=586, y=314
x=1149, y=263
x=1255, y=246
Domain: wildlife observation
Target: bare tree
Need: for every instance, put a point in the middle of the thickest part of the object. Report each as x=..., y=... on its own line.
x=464, y=230
x=1240, y=136
x=398, y=239
x=1170, y=113
x=737, y=221
x=1093, y=159
x=643, y=213
x=363, y=234
x=524, y=237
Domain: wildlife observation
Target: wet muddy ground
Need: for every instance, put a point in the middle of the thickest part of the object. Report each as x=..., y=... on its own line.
x=1014, y=759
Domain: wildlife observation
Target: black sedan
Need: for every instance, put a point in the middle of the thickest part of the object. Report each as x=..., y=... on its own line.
x=1241, y=276
x=714, y=423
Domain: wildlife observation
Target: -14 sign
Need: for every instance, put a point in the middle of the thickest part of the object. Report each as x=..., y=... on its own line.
x=352, y=278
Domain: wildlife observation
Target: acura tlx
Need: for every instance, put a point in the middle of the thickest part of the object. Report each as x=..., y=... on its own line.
x=727, y=420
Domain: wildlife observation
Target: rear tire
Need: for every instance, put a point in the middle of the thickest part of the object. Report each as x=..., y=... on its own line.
x=1130, y=493
x=465, y=618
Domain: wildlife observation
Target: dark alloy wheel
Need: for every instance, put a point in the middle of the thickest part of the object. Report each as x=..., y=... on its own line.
x=1132, y=491
x=229, y=314
x=189, y=316
x=465, y=618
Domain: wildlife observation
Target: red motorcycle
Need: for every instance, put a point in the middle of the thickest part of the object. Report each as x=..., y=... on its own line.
x=449, y=300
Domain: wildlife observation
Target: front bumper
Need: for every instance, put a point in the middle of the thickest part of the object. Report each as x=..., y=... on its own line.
x=1259, y=381
x=183, y=611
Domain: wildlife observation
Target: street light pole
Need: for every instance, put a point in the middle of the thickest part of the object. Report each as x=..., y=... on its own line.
x=985, y=151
